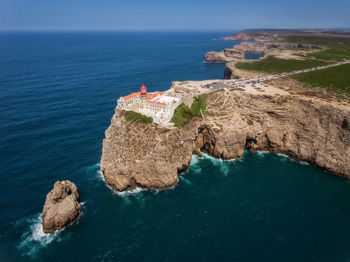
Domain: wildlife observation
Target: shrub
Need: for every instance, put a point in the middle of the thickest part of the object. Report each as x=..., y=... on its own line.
x=136, y=117
x=198, y=105
x=183, y=113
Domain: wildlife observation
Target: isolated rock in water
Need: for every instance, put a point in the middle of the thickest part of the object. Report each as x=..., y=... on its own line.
x=61, y=207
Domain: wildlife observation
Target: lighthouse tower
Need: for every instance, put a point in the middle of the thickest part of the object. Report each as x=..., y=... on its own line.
x=143, y=91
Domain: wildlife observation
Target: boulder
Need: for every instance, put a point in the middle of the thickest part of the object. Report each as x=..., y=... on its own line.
x=61, y=207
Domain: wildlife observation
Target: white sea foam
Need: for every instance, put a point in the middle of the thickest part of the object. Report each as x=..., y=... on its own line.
x=262, y=154
x=124, y=193
x=94, y=167
x=188, y=182
x=195, y=164
x=285, y=157
x=223, y=165
x=282, y=155
x=34, y=238
x=100, y=175
x=133, y=191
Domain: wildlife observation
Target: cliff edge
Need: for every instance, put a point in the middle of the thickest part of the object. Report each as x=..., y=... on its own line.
x=305, y=128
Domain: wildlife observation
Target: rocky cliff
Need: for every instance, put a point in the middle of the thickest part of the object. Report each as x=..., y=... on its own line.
x=305, y=128
x=279, y=49
x=61, y=207
x=232, y=72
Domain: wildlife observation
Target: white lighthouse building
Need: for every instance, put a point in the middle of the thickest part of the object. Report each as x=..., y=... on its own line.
x=157, y=105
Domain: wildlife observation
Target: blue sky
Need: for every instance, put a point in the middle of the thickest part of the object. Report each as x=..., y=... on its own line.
x=175, y=15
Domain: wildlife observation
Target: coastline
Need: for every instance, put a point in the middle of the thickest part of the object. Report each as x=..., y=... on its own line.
x=281, y=122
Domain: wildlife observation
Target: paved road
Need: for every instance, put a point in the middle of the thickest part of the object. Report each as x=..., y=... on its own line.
x=242, y=82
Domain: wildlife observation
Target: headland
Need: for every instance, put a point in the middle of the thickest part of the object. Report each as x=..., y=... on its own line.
x=267, y=111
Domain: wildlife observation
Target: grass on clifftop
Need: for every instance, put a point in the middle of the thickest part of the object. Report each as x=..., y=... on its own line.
x=184, y=113
x=136, y=117
x=336, y=48
x=335, y=79
x=275, y=65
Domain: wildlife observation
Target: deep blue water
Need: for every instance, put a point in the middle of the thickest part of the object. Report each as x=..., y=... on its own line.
x=57, y=95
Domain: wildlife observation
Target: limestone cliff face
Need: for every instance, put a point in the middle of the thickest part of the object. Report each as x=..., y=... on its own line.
x=232, y=72
x=237, y=52
x=304, y=128
x=229, y=72
x=145, y=155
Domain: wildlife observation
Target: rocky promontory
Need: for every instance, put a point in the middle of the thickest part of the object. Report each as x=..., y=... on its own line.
x=304, y=127
x=61, y=207
x=279, y=49
x=246, y=36
x=276, y=34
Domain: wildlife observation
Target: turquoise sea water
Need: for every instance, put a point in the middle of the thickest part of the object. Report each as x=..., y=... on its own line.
x=57, y=95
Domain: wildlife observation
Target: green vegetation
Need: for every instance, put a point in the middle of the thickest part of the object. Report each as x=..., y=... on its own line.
x=336, y=48
x=183, y=113
x=237, y=89
x=335, y=79
x=198, y=105
x=137, y=117
x=275, y=65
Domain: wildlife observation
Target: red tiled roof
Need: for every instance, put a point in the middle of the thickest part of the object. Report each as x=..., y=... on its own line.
x=133, y=95
x=151, y=96
x=154, y=102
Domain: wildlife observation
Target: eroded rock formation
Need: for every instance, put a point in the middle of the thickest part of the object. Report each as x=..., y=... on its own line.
x=61, y=207
x=237, y=52
x=304, y=128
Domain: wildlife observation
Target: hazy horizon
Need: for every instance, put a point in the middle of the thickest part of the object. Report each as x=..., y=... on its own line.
x=169, y=16
x=52, y=30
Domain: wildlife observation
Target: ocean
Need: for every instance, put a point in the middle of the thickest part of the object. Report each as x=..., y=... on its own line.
x=58, y=92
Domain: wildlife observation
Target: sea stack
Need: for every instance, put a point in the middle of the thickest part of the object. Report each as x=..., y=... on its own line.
x=61, y=207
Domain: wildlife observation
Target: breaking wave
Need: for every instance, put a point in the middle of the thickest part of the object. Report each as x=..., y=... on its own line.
x=284, y=157
x=185, y=180
x=34, y=239
x=194, y=167
x=223, y=165
x=100, y=175
x=133, y=191
x=281, y=157
x=94, y=167
x=262, y=154
x=124, y=193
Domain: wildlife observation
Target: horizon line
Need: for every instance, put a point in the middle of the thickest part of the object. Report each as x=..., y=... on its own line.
x=233, y=30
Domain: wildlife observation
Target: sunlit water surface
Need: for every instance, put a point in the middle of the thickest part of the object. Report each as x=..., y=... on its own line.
x=57, y=96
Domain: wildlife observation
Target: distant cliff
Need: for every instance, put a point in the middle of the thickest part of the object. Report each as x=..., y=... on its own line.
x=237, y=53
x=304, y=128
x=251, y=36
x=275, y=34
